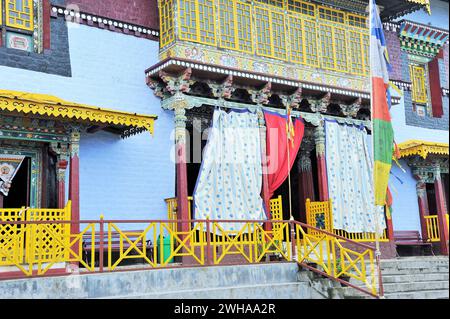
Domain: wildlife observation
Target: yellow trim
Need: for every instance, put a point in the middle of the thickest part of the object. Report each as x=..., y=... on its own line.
x=419, y=89
x=55, y=107
x=422, y=148
x=1, y=12
x=18, y=21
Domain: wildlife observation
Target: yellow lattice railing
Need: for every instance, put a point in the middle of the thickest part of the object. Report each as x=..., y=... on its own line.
x=295, y=31
x=432, y=224
x=34, y=240
x=329, y=255
x=172, y=205
x=209, y=242
x=319, y=215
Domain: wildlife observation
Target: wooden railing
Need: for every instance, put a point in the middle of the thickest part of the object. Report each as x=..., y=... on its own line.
x=319, y=215
x=209, y=242
x=433, y=229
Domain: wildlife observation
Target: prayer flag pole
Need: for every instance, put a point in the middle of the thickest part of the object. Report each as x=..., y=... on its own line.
x=289, y=139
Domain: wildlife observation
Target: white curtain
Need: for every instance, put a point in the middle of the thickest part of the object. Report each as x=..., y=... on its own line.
x=230, y=179
x=349, y=170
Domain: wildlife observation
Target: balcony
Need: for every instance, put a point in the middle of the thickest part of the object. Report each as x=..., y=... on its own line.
x=288, y=39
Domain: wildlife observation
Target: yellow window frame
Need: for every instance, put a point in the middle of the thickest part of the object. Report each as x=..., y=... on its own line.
x=271, y=45
x=1, y=12
x=10, y=14
x=166, y=22
x=197, y=36
x=419, y=89
x=241, y=35
x=305, y=46
x=338, y=12
x=301, y=7
x=361, y=21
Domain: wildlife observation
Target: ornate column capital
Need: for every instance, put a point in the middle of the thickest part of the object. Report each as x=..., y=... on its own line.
x=320, y=105
x=75, y=134
x=319, y=136
x=421, y=188
x=179, y=107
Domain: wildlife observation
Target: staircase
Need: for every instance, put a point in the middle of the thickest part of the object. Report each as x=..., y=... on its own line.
x=408, y=278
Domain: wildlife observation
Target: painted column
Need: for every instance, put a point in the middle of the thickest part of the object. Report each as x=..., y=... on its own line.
x=319, y=136
x=441, y=211
x=74, y=178
x=180, y=160
x=421, y=188
x=265, y=181
x=62, y=167
x=306, y=180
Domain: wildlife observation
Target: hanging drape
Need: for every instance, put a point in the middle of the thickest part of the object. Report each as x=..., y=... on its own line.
x=9, y=165
x=350, y=178
x=277, y=154
x=230, y=179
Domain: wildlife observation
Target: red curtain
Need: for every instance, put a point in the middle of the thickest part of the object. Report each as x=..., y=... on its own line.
x=277, y=164
x=435, y=88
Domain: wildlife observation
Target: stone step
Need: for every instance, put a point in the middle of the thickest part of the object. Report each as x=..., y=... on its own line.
x=415, y=286
x=271, y=291
x=414, y=271
x=424, y=294
x=415, y=278
x=414, y=263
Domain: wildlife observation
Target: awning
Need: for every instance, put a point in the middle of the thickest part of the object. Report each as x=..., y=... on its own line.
x=51, y=106
x=422, y=148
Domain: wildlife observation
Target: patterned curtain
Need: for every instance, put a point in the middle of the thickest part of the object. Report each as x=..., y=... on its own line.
x=350, y=179
x=230, y=179
x=9, y=165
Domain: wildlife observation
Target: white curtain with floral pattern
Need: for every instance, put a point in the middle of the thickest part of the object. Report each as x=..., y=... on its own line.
x=230, y=178
x=349, y=170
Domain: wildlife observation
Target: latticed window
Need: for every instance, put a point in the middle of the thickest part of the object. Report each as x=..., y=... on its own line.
x=302, y=7
x=235, y=25
x=418, y=79
x=18, y=14
x=303, y=40
x=289, y=30
x=167, y=29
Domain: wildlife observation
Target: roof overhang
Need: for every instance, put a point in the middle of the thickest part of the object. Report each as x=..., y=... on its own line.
x=120, y=122
x=392, y=9
x=422, y=148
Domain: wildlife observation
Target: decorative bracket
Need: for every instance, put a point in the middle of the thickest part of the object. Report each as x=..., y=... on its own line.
x=352, y=109
x=321, y=105
x=223, y=90
x=262, y=96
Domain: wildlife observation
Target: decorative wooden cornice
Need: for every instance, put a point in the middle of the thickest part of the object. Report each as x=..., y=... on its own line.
x=53, y=107
x=421, y=39
x=422, y=148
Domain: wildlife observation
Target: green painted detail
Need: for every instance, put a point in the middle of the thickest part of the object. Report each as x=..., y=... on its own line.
x=383, y=141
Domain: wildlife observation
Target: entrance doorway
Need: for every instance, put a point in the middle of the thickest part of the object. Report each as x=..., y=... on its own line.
x=19, y=194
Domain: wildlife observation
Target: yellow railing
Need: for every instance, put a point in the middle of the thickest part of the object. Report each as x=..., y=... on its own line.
x=319, y=215
x=333, y=259
x=172, y=205
x=34, y=240
x=209, y=242
x=296, y=31
x=432, y=228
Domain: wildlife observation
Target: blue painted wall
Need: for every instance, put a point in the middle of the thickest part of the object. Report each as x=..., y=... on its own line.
x=405, y=214
x=119, y=178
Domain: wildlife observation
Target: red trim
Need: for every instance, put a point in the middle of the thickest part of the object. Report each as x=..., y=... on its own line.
x=435, y=88
x=182, y=186
x=19, y=274
x=441, y=212
x=74, y=192
x=61, y=185
x=323, y=180
x=46, y=21
x=423, y=211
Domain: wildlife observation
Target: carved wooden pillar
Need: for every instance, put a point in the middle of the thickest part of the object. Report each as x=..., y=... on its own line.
x=441, y=211
x=62, y=166
x=306, y=180
x=319, y=135
x=265, y=182
x=74, y=178
x=421, y=188
x=180, y=160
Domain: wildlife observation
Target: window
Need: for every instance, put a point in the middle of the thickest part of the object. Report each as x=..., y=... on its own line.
x=166, y=22
x=21, y=26
x=271, y=35
x=19, y=14
x=303, y=40
x=197, y=20
x=418, y=80
x=235, y=25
